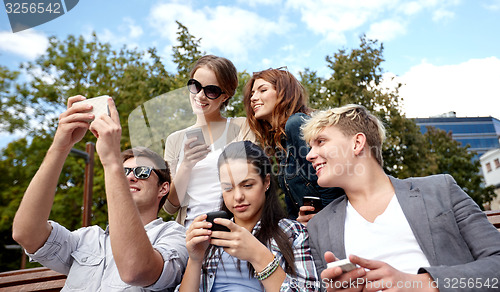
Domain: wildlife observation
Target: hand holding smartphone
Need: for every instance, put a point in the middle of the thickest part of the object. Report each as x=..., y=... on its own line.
x=345, y=265
x=217, y=214
x=314, y=202
x=198, y=133
x=99, y=105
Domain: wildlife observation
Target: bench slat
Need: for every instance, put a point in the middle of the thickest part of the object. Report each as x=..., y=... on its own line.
x=494, y=217
x=55, y=285
x=26, y=277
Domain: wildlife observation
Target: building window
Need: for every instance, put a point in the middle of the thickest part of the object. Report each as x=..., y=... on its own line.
x=497, y=163
x=488, y=167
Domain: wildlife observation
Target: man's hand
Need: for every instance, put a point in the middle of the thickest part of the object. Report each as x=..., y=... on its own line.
x=73, y=124
x=339, y=281
x=382, y=276
x=108, y=132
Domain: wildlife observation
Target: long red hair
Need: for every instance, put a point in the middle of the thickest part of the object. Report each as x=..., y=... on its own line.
x=292, y=98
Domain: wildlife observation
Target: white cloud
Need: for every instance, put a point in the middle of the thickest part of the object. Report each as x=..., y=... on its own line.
x=334, y=18
x=411, y=8
x=493, y=5
x=258, y=3
x=230, y=30
x=469, y=89
x=28, y=43
x=135, y=30
x=442, y=15
x=386, y=30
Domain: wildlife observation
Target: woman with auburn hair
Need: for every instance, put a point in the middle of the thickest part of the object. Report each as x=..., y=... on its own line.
x=276, y=107
x=260, y=250
x=195, y=189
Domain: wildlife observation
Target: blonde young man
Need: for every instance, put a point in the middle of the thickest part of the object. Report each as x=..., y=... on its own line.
x=138, y=251
x=416, y=234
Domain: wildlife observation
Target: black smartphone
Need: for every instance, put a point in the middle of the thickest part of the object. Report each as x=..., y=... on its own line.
x=218, y=214
x=312, y=201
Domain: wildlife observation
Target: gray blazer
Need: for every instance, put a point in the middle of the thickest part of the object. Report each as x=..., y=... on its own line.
x=454, y=234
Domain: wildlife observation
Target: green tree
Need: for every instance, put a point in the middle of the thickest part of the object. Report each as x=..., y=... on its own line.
x=11, y=104
x=236, y=108
x=455, y=159
x=185, y=53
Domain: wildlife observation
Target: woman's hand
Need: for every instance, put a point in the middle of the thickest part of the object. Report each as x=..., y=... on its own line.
x=194, y=154
x=198, y=238
x=303, y=218
x=239, y=243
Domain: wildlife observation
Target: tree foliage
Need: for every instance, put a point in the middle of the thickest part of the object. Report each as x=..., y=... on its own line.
x=453, y=158
x=11, y=104
x=185, y=53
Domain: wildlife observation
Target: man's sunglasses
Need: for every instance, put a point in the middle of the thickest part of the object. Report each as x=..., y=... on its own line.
x=211, y=91
x=140, y=172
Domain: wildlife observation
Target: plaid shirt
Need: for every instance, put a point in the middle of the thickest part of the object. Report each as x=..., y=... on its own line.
x=306, y=278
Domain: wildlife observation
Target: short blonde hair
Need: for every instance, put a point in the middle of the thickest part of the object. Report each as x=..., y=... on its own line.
x=350, y=120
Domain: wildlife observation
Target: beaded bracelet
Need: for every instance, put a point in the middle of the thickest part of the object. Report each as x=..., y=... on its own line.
x=268, y=270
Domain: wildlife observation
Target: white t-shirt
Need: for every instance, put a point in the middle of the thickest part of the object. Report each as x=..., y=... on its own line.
x=203, y=191
x=389, y=238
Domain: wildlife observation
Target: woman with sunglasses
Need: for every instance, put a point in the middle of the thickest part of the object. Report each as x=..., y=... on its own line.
x=195, y=189
x=263, y=249
x=275, y=104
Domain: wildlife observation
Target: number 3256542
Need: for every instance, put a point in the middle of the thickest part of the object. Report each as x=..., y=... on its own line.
x=33, y=8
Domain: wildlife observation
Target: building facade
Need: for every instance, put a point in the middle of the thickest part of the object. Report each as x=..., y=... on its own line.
x=490, y=164
x=481, y=133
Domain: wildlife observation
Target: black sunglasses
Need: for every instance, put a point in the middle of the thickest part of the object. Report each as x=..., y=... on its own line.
x=140, y=172
x=211, y=91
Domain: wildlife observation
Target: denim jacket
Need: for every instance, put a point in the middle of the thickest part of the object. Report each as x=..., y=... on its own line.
x=296, y=176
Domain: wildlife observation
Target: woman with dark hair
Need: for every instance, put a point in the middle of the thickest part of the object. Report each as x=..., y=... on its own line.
x=276, y=107
x=263, y=249
x=195, y=189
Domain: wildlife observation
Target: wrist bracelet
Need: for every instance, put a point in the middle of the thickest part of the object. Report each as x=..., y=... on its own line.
x=268, y=270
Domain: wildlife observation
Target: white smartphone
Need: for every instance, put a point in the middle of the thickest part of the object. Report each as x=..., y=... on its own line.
x=195, y=132
x=99, y=105
x=345, y=265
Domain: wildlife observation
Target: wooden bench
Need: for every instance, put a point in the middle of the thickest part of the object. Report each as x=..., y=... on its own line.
x=34, y=279
x=494, y=218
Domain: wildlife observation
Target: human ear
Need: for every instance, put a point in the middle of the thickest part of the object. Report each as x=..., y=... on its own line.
x=359, y=143
x=267, y=181
x=164, y=189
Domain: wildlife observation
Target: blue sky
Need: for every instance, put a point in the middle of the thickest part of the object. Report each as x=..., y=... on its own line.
x=445, y=52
